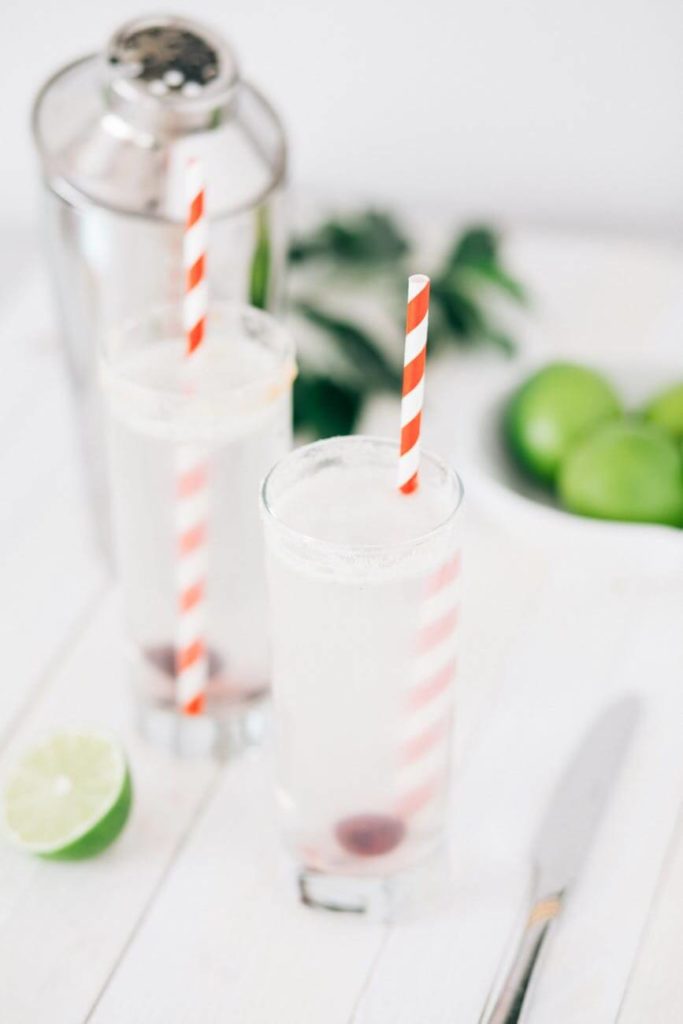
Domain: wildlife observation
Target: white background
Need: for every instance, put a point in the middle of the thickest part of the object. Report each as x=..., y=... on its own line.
x=544, y=111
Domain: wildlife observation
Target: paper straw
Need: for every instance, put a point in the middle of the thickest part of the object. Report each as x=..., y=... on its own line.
x=424, y=746
x=191, y=662
x=425, y=740
x=417, y=317
x=195, y=300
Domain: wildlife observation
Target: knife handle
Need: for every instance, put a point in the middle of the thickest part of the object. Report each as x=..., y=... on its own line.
x=508, y=1006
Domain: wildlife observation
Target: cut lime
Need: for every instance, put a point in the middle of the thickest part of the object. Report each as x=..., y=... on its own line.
x=69, y=797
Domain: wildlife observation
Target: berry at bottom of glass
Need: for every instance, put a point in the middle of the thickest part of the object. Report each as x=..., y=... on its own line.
x=364, y=598
x=229, y=407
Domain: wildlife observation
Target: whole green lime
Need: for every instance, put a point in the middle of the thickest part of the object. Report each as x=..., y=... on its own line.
x=551, y=410
x=666, y=410
x=627, y=471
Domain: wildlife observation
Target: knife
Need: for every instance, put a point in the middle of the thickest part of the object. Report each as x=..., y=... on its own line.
x=562, y=844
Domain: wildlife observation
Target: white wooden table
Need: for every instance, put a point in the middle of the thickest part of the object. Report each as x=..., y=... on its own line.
x=188, y=917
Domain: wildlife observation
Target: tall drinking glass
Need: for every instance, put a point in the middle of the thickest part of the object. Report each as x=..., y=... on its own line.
x=189, y=442
x=364, y=593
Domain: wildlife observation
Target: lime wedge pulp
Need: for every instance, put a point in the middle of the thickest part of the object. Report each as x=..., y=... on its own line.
x=69, y=797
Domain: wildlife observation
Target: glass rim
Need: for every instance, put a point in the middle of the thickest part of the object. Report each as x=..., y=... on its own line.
x=351, y=440
x=283, y=372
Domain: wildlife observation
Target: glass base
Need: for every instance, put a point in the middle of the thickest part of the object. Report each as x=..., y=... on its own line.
x=219, y=733
x=398, y=897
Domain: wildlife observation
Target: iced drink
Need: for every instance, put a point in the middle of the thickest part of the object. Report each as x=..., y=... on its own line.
x=232, y=409
x=364, y=594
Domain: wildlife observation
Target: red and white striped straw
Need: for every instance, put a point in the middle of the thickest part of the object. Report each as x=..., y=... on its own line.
x=424, y=746
x=415, y=355
x=191, y=665
x=194, y=258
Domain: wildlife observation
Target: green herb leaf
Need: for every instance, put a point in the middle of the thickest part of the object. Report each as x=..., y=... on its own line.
x=493, y=275
x=325, y=407
x=259, y=276
x=498, y=338
x=475, y=245
x=460, y=312
x=466, y=318
x=367, y=361
x=371, y=237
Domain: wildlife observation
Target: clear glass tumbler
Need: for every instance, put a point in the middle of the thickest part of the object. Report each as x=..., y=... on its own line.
x=227, y=410
x=364, y=592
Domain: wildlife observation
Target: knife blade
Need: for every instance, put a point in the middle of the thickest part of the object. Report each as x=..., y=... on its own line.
x=563, y=842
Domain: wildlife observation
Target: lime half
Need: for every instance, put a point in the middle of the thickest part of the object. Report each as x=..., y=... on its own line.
x=69, y=797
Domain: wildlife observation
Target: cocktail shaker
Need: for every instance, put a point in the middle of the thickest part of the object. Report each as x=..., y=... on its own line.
x=115, y=131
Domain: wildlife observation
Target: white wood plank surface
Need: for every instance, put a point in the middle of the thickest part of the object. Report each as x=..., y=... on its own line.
x=189, y=916
x=225, y=941
x=51, y=568
x=565, y=668
x=255, y=955
x=63, y=927
x=600, y=935
x=655, y=992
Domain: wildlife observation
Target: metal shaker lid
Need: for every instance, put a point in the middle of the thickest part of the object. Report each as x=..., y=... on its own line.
x=169, y=65
x=115, y=129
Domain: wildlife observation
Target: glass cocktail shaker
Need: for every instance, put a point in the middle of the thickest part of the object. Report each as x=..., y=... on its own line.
x=114, y=131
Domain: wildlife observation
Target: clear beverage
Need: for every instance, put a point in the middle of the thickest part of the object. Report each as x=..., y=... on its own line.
x=231, y=406
x=364, y=592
